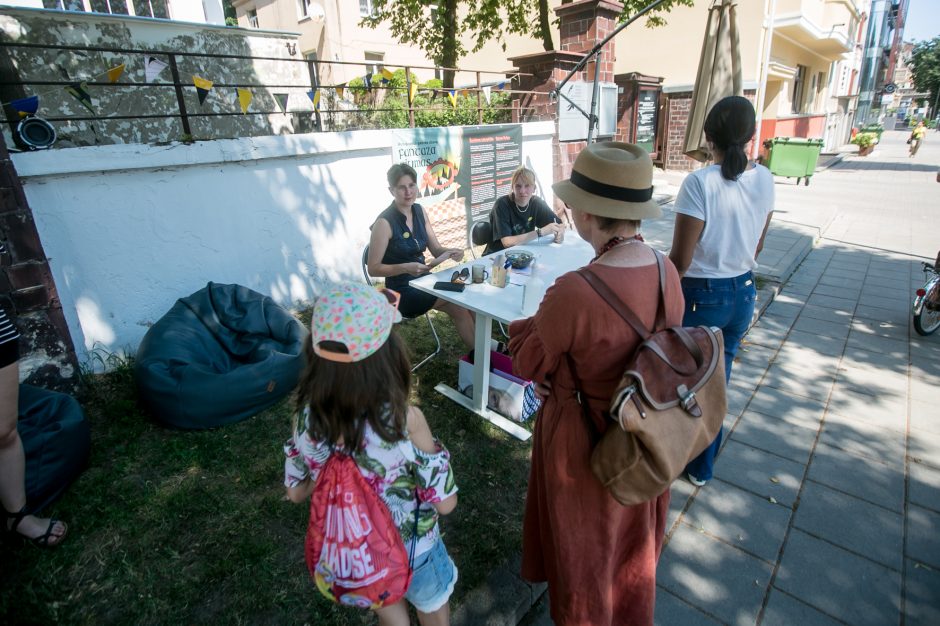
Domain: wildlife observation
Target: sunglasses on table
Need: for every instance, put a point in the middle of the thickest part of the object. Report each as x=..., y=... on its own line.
x=460, y=276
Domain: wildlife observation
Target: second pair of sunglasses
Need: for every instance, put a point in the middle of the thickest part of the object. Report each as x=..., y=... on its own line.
x=460, y=276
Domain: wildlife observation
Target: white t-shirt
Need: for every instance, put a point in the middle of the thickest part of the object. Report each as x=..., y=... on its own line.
x=734, y=212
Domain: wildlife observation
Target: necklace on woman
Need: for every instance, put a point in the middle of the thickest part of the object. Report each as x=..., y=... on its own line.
x=616, y=241
x=522, y=209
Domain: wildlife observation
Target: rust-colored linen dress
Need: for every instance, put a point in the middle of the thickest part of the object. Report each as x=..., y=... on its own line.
x=598, y=556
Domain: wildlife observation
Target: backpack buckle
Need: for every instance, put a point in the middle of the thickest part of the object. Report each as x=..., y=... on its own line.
x=688, y=402
x=623, y=397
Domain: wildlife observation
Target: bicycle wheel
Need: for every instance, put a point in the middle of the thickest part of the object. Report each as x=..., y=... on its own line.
x=927, y=322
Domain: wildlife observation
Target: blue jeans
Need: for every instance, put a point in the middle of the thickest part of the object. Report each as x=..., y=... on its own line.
x=727, y=303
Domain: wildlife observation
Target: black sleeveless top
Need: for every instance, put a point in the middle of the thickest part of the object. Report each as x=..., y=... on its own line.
x=405, y=246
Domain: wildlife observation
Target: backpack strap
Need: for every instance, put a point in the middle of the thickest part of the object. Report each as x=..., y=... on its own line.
x=618, y=305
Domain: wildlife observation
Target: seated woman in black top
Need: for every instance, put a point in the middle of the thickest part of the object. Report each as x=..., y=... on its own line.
x=400, y=235
x=521, y=217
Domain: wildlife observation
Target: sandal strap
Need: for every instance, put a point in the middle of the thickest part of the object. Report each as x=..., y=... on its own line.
x=16, y=517
x=43, y=539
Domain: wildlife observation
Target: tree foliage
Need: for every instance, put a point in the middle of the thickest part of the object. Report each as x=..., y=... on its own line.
x=925, y=67
x=439, y=26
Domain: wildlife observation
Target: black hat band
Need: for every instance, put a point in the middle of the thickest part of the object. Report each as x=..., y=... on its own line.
x=610, y=191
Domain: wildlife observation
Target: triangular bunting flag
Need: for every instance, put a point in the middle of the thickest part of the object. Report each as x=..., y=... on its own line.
x=501, y=85
x=152, y=68
x=78, y=90
x=367, y=79
x=340, y=90
x=386, y=74
x=203, y=87
x=26, y=106
x=281, y=100
x=115, y=72
x=486, y=93
x=464, y=92
x=314, y=95
x=244, y=98
x=452, y=94
x=411, y=93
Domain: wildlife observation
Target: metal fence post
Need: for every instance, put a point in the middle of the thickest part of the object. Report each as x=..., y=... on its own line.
x=479, y=102
x=314, y=70
x=187, y=132
x=411, y=104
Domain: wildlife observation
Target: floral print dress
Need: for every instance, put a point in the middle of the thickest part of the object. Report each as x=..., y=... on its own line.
x=402, y=475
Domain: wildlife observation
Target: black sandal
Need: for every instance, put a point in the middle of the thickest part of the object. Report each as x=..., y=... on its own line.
x=41, y=541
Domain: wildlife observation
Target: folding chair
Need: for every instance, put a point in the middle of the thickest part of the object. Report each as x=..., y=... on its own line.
x=365, y=273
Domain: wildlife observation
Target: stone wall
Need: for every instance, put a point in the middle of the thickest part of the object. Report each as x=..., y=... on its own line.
x=28, y=292
x=32, y=48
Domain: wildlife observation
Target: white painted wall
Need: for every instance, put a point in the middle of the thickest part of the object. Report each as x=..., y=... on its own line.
x=128, y=229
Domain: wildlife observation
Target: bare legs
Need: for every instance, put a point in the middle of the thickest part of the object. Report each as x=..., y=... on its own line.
x=13, y=460
x=463, y=319
x=397, y=615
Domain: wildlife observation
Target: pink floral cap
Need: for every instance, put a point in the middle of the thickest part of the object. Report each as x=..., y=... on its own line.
x=358, y=316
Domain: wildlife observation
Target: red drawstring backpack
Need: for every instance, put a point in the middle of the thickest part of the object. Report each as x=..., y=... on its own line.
x=354, y=551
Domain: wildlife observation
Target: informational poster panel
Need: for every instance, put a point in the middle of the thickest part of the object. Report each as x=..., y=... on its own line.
x=461, y=173
x=572, y=124
x=647, y=112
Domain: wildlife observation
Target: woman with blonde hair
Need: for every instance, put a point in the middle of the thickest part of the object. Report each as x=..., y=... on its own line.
x=521, y=216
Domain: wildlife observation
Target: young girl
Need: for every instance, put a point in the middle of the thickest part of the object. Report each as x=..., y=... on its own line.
x=353, y=397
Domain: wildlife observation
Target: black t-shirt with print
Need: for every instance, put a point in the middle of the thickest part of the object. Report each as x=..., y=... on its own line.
x=507, y=220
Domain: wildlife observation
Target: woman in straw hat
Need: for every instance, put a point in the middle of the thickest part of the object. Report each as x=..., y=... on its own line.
x=598, y=556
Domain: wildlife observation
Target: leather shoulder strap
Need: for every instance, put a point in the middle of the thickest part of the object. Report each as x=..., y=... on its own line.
x=618, y=305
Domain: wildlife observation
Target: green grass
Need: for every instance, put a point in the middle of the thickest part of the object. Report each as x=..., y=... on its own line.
x=192, y=527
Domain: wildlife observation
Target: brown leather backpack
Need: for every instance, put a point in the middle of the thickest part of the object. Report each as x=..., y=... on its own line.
x=668, y=407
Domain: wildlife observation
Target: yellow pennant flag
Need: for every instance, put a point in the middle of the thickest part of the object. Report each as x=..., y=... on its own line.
x=203, y=87
x=244, y=98
x=387, y=75
x=452, y=94
x=115, y=72
x=412, y=92
x=340, y=90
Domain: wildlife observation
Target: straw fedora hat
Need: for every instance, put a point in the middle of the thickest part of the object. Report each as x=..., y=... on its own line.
x=611, y=179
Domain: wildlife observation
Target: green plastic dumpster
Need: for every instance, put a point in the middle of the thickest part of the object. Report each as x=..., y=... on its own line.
x=793, y=156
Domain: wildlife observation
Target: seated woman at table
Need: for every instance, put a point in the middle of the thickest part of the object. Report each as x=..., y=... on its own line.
x=400, y=236
x=522, y=217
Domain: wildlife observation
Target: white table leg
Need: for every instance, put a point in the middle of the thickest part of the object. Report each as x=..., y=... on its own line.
x=481, y=361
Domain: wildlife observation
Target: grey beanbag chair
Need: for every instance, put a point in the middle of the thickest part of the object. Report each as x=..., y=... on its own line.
x=56, y=440
x=217, y=357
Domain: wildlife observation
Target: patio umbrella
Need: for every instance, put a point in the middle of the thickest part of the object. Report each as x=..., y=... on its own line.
x=719, y=73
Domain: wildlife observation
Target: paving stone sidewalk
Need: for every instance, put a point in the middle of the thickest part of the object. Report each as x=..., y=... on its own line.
x=825, y=506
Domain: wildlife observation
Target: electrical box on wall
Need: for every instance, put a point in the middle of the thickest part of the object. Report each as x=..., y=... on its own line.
x=573, y=124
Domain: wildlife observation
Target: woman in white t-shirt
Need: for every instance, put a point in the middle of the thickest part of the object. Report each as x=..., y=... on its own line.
x=722, y=214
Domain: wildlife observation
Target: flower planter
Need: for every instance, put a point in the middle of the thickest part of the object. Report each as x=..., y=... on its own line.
x=865, y=151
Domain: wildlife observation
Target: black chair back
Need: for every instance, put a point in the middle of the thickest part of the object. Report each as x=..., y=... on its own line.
x=482, y=233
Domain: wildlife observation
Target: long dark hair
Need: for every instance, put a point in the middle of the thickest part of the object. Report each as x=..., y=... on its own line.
x=343, y=397
x=729, y=126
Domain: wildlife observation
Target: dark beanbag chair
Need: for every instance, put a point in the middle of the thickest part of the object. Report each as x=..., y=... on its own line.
x=217, y=357
x=56, y=440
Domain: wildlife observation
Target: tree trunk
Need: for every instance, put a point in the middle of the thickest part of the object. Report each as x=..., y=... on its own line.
x=545, y=26
x=447, y=11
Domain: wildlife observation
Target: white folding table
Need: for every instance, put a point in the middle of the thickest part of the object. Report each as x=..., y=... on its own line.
x=504, y=304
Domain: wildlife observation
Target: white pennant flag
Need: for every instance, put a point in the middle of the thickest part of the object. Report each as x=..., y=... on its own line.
x=153, y=67
x=486, y=93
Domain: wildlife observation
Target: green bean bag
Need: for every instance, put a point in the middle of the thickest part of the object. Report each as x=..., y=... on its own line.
x=56, y=440
x=217, y=357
